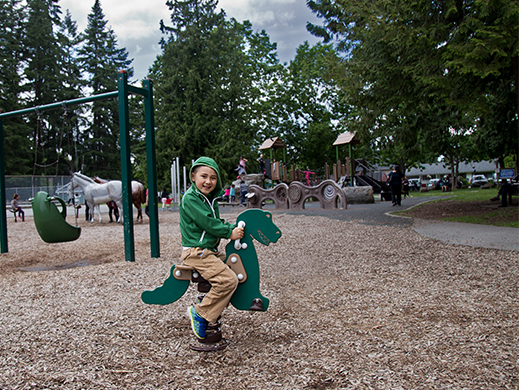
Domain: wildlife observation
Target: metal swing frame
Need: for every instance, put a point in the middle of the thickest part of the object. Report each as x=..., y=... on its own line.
x=124, y=129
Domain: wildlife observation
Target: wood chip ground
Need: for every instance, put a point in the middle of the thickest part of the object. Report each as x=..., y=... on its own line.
x=352, y=307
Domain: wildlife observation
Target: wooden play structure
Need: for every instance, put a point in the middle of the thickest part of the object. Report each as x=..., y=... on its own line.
x=241, y=257
x=292, y=197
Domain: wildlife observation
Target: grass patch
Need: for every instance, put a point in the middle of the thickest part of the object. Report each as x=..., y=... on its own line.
x=462, y=195
x=504, y=218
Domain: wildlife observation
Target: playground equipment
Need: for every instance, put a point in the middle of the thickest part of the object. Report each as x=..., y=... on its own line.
x=293, y=197
x=241, y=257
x=124, y=141
x=51, y=223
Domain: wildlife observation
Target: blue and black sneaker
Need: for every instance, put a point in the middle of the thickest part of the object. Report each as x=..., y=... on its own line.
x=197, y=323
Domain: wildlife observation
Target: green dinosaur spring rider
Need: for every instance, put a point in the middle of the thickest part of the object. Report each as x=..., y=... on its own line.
x=241, y=257
x=51, y=223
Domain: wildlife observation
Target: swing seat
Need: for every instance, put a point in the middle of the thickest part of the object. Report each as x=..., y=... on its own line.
x=50, y=222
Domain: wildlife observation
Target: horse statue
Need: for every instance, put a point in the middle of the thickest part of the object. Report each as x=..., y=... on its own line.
x=96, y=194
x=138, y=195
x=241, y=257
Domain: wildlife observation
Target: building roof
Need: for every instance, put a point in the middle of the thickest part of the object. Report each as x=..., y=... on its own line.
x=444, y=169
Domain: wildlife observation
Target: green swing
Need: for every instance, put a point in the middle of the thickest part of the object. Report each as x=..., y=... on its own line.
x=51, y=223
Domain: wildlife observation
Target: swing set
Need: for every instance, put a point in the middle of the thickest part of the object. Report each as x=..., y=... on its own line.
x=46, y=215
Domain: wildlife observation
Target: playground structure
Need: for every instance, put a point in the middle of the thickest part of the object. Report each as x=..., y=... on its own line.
x=293, y=197
x=241, y=257
x=124, y=126
x=342, y=174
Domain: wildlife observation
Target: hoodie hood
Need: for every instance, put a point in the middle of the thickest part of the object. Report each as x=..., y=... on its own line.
x=208, y=162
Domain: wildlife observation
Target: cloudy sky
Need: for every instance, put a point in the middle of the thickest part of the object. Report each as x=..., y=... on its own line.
x=136, y=24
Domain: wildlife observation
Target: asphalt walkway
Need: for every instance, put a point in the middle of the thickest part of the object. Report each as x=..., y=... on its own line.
x=378, y=214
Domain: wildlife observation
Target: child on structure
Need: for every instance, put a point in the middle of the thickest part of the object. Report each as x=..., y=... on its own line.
x=202, y=229
x=16, y=207
x=232, y=194
x=243, y=192
x=164, y=197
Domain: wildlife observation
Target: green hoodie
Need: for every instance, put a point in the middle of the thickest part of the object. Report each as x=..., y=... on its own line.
x=200, y=222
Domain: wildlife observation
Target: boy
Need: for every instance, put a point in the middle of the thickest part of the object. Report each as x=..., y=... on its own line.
x=202, y=229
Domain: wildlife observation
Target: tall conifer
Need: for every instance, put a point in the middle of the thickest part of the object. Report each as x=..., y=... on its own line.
x=101, y=60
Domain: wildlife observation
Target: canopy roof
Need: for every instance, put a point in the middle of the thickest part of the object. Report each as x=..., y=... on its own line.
x=346, y=138
x=273, y=143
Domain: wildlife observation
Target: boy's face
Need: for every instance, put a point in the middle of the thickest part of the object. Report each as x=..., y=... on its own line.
x=205, y=179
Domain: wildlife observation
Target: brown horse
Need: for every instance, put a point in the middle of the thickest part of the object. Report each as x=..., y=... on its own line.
x=138, y=195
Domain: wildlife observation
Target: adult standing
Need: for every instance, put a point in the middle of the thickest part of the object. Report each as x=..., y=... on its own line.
x=395, y=181
x=261, y=162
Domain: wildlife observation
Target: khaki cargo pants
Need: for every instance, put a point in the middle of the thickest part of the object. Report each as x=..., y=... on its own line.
x=223, y=281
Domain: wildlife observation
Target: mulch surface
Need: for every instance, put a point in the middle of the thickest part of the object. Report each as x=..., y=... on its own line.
x=351, y=307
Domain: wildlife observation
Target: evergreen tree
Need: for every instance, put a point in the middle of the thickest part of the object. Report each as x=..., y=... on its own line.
x=204, y=87
x=73, y=83
x=17, y=146
x=101, y=59
x=43, y=59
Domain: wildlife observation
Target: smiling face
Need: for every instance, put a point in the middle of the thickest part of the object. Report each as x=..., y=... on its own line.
x=205, y=179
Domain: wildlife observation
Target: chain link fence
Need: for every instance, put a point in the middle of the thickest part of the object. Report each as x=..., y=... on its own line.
x=28, y=186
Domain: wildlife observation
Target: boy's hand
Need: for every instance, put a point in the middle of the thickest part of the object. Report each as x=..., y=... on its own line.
x=237, y=233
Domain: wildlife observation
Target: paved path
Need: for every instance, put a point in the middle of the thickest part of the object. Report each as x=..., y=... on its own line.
x=377, y=214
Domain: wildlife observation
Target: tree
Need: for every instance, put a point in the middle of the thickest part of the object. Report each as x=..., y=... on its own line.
x=101, y=59
x=43, y=82
x=403, y=60
x=208, y=86
x=17, y=146
x=309, y=107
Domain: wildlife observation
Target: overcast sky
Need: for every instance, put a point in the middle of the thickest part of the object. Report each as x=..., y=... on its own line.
x=136, y=24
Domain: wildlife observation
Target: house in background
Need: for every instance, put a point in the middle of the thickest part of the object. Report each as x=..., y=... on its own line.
x=465, y=170
x=438, y=170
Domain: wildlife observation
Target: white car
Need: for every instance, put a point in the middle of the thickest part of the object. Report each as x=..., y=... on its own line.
x=434, y=184
x=478, y=181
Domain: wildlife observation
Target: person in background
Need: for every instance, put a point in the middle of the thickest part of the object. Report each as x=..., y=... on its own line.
x=232, y=193
x=261, y=162
x=243, y=192
x=405, y=186
x=395, y=181
x=16, y=207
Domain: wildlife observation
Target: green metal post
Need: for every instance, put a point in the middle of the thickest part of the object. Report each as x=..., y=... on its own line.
x=149, y=115
x=126, y=175
x=3, y=218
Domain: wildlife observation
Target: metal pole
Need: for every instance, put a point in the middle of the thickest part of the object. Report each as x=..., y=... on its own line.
x=126, y=174
x=178, y=181
x=3, y=218
x=151, y=169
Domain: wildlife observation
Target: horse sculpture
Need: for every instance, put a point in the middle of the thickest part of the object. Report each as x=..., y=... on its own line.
x=138, y=195
x=241, y=257
x=96, y=194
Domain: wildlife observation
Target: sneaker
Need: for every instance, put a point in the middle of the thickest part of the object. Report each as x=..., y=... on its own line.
x=198, y=324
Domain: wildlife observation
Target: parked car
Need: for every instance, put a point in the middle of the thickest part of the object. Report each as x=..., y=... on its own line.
x=478, y=181
x=434, y=184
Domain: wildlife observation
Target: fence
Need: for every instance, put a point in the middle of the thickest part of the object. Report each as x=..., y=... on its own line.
x=28, y=186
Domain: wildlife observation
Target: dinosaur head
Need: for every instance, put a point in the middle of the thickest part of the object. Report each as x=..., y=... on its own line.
x=262, y=227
